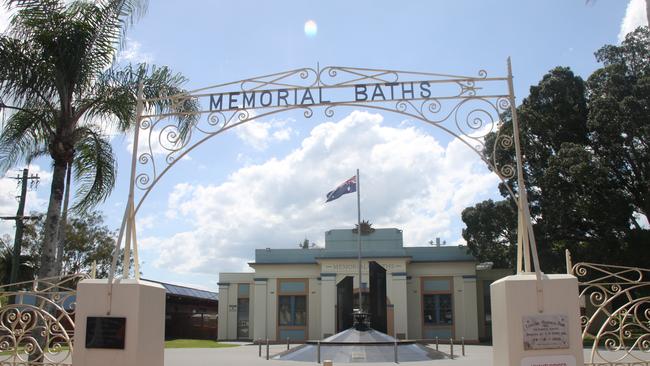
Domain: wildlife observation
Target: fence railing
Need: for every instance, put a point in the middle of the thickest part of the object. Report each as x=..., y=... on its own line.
x=37, y=321
x=615, y=306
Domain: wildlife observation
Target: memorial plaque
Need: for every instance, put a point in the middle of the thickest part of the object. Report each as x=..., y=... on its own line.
x=549, y=361
x=105, y=332
x=545, y=332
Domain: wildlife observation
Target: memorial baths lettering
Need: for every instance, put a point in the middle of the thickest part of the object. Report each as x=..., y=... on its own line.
x=320, y=95
x=545, y=332
x=391, y=267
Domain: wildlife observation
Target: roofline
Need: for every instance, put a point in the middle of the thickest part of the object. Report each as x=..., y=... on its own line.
x=252, y=264
x=187, y=287
x=370, y=257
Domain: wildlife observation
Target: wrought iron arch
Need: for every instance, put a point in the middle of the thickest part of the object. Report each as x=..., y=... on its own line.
x=465, y=107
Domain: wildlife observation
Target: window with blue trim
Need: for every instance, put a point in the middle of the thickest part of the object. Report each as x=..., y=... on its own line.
x=437, y=309
x=292, y=310
x=437, y=303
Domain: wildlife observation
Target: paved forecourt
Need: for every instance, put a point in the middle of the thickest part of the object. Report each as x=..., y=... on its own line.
x=248, y=356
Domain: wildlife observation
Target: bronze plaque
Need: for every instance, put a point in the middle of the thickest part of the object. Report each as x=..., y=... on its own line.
x=105, y=332
x=545, y=332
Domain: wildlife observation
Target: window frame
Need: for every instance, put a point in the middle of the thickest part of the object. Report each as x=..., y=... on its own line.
x=292, y=294
x=449, y=292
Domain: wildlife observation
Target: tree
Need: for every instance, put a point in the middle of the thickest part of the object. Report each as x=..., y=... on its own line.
x=619, y=116
x=57, y=76
x=88, y=242
x=491, y=228
x=586, y=163
x=26, y=263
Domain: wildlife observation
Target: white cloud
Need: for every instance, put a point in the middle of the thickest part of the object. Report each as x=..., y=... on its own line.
x=635, y=16
x=259, y=134
x=132, y=52
x=157, y=141
x=408, y=180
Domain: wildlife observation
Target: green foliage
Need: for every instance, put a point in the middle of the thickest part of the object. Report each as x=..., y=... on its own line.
x=26, y=263
x=59, y=80
x=586, y=164
x=87, y=240
x=491, y=227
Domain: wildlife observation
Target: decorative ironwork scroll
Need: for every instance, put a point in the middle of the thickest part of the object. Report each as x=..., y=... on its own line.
x=466, y=107
x=616, y=313
x=37, y=321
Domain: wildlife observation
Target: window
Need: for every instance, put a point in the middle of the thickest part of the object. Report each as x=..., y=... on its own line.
x=437, y=309
x=292, y=310
x=243, y=293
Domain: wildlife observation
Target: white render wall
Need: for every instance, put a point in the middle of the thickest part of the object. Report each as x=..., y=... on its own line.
x=403, y=291
x=228, y=290
x=397, y=293
x=463, y=276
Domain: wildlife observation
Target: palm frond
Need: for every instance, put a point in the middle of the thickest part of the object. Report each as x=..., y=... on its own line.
x=25, y=76
x=94, y=168
x=115, y=95
x=23, y=136
x=107, y=22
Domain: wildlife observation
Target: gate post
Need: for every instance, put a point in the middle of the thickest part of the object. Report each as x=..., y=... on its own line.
x=134, y=333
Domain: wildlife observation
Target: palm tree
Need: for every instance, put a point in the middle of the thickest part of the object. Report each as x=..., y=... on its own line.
x=57, y=75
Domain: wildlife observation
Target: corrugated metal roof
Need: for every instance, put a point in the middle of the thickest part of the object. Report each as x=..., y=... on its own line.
x=187, y=291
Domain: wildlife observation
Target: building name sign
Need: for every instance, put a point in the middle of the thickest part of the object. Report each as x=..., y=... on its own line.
x=353, y=267
x=545, y=332
x=322, y=95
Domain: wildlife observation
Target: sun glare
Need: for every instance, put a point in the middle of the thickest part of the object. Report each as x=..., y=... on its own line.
x=311, y=29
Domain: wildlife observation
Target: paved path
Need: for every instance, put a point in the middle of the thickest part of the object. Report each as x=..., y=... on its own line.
x=247, y=356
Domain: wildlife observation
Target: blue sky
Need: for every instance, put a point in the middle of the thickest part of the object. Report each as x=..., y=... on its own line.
x=263, y=184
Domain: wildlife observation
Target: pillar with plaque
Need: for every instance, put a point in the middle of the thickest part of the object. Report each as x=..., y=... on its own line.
x=536, y=323
x=122, y=324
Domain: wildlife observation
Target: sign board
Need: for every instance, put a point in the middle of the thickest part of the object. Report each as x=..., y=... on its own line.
x=105, y=332
x=545, y=332
x=549, y=361
x=322, y=95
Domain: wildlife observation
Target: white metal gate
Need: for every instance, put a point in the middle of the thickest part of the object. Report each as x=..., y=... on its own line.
x=37, y=321
x=615, y=313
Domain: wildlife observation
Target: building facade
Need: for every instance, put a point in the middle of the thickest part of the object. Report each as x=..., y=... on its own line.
x=296, y=293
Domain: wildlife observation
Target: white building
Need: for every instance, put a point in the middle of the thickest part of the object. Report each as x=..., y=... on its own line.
x=292, y=293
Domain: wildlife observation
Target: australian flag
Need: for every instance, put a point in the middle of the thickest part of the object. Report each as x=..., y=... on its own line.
x=348, y=186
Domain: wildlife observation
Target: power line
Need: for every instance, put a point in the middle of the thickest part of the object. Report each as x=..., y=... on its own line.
x=20, y=217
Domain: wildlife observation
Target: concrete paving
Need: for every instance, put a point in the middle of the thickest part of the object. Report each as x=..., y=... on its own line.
x=248, y=355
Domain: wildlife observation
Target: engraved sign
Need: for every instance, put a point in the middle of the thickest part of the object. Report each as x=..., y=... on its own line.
x=545, y=332
x=105, y=332
x=549, y=361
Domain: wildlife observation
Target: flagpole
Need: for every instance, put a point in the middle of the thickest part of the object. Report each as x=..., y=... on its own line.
x=359, y=235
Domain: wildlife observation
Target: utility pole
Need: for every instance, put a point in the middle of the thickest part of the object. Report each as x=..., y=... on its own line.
x=20, y=216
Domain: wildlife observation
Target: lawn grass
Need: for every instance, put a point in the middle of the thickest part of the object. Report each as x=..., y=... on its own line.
x=196, y=343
